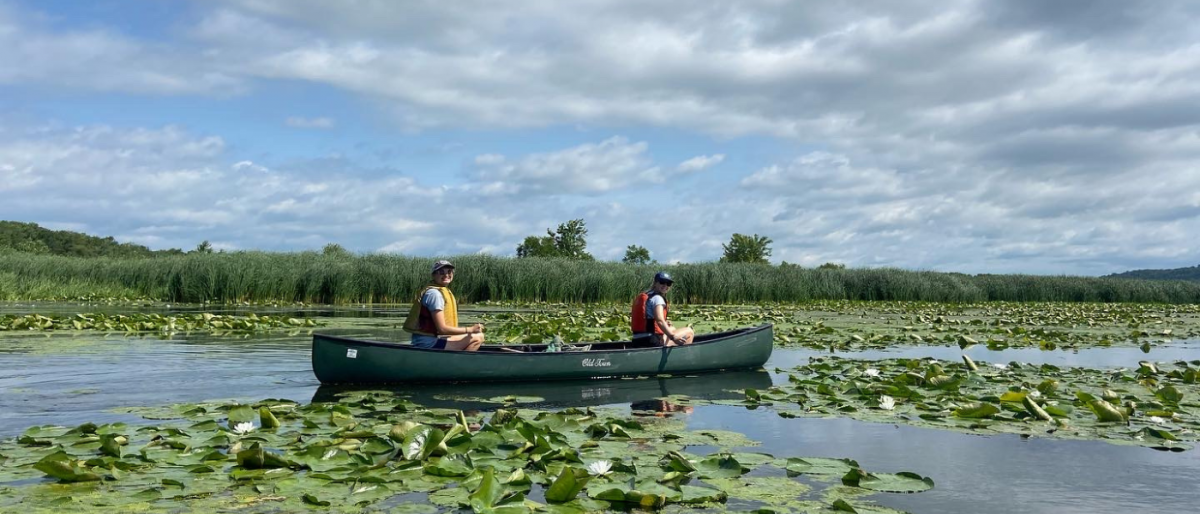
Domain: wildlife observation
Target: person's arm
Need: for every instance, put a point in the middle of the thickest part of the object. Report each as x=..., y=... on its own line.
x=439, y=321
x=661, y=320
x=436, y=304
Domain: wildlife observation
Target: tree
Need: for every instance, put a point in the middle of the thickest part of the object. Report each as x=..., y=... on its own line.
x=204, y=247
x=335, y=250
x=743, y=248
x=31, y=238
x=635, y=254
x=832, y=265
x=33, y=246
x=569, y=241
x=535, y=246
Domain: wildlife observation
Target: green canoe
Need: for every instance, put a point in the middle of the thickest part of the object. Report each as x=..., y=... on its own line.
x=344, y=360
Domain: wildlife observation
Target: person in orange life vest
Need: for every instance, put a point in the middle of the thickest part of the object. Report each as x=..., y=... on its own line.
x=433, y=318
x=650, y=318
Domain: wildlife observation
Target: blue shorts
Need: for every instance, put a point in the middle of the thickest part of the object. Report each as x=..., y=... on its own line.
x=429, y=342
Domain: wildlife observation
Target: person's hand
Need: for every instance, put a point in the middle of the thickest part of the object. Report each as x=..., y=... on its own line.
x=477, y=328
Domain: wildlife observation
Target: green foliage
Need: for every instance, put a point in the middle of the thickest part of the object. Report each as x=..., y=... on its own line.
x=832, y=265
x=335, y=250
x=1191, y=273
x=750, y=249
x=150, y=322
x=203, y=247
x=635, y=254
x=210, y=457
x=315, y=278
x=569, y=241
x=535, y=246
x=31, y=238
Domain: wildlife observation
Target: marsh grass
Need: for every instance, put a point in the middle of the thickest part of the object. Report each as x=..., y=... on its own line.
x=316, y=278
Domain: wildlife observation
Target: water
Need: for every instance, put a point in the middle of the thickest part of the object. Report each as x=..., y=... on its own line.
x=67, y=379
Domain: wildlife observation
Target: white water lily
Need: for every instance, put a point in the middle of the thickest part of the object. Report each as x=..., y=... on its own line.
x=1000, y=366
x=600, y=467
x=1157, y=420
x=887, y=402
x=243, y=428
x=1035, y=393
x=872, y=372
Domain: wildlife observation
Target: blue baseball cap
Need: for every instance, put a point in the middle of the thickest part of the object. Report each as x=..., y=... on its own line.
x=442, y=264
x=663, y=277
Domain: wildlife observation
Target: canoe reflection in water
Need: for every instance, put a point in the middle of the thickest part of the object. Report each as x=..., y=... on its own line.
x=660, y=408
x=638, y=392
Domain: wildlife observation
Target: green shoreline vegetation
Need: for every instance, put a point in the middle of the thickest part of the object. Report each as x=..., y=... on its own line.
x=338, y=278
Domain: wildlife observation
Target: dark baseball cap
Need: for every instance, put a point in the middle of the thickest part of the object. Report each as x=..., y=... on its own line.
x=442, y=264
x=663, y=277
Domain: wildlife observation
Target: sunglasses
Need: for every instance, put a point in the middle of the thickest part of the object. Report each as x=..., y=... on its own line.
x=445, y=271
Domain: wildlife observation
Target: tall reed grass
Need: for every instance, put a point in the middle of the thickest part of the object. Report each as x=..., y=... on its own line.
x=316, y=278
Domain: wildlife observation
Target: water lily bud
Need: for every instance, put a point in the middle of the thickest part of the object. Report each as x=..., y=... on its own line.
x=266, y=418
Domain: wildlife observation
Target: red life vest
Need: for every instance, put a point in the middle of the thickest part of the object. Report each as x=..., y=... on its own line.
x=641, y=321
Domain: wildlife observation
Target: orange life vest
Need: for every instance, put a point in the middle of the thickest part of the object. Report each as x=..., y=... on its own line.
x=641, y=321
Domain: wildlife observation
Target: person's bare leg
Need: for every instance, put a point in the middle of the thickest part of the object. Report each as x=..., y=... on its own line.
x=685, y=335
x=464, y=343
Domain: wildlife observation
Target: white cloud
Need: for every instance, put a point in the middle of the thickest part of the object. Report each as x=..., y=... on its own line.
x=612, y=164
x=36, y=53
x=309, y=123
x=981, y=136
x=699, y=162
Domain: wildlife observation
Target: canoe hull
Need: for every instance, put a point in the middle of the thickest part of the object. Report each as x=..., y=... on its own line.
x=338, y=360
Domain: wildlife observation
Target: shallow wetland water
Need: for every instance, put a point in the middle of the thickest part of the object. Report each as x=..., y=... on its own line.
x=67, y=378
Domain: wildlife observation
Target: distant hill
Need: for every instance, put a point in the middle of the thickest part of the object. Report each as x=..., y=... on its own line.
x=1192, y=273
x=31, y=238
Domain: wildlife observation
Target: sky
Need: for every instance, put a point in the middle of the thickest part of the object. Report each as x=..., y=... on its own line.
x=975, y=136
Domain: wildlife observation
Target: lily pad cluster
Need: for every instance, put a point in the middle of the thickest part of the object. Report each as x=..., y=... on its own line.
x=1152, y=404
x=569, y=324
x=851, y=325
x=1000, y=325
x=151, y=322
x=374, y=450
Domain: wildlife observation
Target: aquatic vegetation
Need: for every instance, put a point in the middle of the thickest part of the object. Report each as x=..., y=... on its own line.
x=1154, y=404
x=374, y=447
x=151, y=322
x=313, y=277
x=845, y=325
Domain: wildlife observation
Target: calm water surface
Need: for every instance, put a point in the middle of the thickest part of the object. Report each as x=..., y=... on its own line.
x=71, y=378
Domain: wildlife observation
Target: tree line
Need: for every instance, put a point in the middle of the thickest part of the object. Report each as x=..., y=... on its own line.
x=31, y=238
x=569, y=241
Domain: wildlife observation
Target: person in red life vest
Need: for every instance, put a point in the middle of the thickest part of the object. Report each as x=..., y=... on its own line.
x=433, y=318
x=649, y=315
